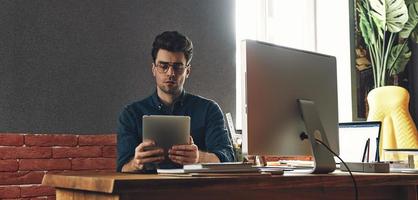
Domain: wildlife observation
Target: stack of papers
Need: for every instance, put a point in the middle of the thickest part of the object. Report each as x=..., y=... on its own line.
x=229, y=167
x=291, y=164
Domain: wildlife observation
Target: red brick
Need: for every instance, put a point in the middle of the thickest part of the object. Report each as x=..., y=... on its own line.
x=44, y=164
x=50, y=140
x=93, y=163
x=21, y=177
x=25, y=152
x=17, y=199
x=109, y=151
x=36, y=190
x=88, y=140
x=7, y=139
x=9, y=192
x=8, y=165
x=77, y=152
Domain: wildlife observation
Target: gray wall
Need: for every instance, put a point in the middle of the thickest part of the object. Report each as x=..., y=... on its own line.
x=70, y=66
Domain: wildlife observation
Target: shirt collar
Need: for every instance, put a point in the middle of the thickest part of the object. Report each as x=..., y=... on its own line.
x=157, y=102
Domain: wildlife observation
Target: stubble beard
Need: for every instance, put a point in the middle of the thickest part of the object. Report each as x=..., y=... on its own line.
x=170, y=90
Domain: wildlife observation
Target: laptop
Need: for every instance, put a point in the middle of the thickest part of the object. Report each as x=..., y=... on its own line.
x=353, y=137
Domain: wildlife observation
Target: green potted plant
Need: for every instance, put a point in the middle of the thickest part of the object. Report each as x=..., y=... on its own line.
x=387, y=26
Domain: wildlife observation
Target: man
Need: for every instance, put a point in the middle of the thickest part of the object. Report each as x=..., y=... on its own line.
x=209, y=142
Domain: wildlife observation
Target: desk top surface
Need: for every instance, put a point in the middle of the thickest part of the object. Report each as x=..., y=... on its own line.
x=112, y=182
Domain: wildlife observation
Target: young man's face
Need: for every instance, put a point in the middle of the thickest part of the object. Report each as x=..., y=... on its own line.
x=170, y=71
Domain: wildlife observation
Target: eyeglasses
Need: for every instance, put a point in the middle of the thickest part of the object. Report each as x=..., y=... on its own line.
x=162, y=67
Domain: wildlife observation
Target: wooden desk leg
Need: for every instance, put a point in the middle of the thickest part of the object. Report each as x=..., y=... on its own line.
x=409, y=192
x=67, y=194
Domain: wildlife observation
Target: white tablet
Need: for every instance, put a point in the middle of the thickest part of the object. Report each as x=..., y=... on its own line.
x=166, y=130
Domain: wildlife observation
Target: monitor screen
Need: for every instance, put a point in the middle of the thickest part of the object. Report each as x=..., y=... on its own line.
x=354, y=136
x=275, y=77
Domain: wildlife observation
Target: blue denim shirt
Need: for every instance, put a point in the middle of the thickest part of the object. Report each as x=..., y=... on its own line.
x=207, y=125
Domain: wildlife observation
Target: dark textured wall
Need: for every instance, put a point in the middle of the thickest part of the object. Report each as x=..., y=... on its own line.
x=70, y=66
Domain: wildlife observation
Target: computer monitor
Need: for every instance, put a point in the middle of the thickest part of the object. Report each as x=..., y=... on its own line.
x=355, y=136
x=275, y=78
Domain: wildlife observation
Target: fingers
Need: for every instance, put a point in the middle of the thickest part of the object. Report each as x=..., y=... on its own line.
x=147, y=152
x=147, y=149
x=182, y=160
x=150, y=153
x=191, y=140
x=187, y=147
x=184, y=154
x=184, y=150
x=145, y=143
x=139, y=162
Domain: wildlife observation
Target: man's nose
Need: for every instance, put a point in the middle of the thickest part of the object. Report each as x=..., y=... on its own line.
x=170, y=70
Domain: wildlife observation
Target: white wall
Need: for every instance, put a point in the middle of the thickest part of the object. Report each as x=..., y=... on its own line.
x=333, y=36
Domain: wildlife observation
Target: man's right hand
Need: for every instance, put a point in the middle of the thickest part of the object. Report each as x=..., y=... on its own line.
x=146, y=152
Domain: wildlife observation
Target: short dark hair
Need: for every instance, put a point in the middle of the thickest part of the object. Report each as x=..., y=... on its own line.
x=175, y=42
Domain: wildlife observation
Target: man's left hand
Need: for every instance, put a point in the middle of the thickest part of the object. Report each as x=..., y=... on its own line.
x=184, y=154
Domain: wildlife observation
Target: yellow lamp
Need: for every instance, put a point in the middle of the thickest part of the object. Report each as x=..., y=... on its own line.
x=389, y=105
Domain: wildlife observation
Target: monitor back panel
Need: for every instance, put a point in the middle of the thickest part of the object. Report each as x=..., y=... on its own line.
x=275, y=78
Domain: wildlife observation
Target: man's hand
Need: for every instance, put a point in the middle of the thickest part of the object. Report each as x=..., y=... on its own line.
x=184, y=154
x=143, y=156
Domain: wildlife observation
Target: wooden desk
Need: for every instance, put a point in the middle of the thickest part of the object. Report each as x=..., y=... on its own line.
x=337, y=185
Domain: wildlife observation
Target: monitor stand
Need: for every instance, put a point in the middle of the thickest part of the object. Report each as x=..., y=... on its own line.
x=323, y=159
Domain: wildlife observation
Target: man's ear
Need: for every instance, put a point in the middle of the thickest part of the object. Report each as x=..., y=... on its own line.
x=153, y=69
x=188, y=70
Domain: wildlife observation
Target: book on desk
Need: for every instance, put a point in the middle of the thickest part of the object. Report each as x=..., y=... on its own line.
x=228, y=167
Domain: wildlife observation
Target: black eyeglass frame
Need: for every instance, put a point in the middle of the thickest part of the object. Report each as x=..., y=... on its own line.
x=162, y=67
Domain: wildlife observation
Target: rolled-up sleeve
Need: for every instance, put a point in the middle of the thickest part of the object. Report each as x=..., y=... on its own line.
x=217, y=138
x=127, y=137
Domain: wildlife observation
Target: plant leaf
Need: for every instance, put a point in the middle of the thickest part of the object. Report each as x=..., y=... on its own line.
x=407, y=2
x=414, y=35
x=398, y=59
x=412, y=21
x=378, y=24
x=365, y=27
x=392, y=14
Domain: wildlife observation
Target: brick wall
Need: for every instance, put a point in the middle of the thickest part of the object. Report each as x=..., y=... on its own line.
x=26, y=158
